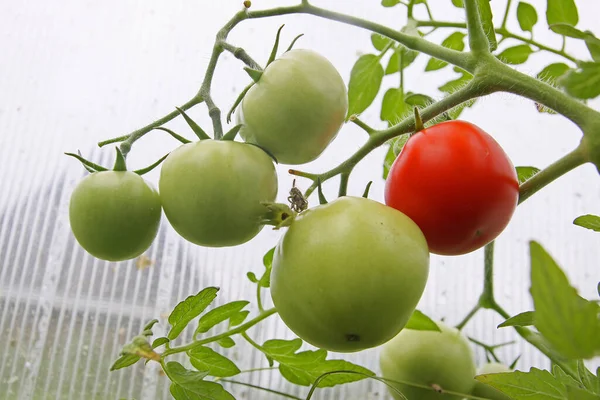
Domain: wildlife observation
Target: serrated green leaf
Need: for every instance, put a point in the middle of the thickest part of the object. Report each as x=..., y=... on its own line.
x=455, y=42
x=563, y=377
x=238, y=318
x=305, y=367
x=365, y=81
x=575, y=393
x=408, y=56
x=227, y=342
x=525, y=173
x=593, y=45
x=219, y=314
x=558, y=11
x=455, y=112
x=590, y=381
x=522, y=319
x=421, y=322
x=190, y=385
x=487, y=22
x=388, y=160
x=418, y=100
x=393, y=106
x=533, y=385
x=159, y=342
x=569, y=322
x=567, y=30
x=583, y=83
x=125, y=361
x=389, y=3
x=206, y=359
x=379, y=41
x=588, y=221
x=552, y=72
x=527, y=16
x=189, y=309
x=516, y=54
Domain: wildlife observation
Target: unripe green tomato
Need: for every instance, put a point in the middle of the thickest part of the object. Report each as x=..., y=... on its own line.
x=435, y=359
x=483, y=390
x=212, y=191
x=347, y=275
x=296, y=108
x=114, y=215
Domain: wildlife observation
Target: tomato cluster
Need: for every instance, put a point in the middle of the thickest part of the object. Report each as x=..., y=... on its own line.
x=346, y=275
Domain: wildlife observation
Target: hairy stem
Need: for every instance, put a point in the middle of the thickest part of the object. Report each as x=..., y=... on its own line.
x=478, y=42
x=241, y=55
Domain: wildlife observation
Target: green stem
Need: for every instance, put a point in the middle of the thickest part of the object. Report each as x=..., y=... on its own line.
x=344, y=176
x=241, y=55
x=468, y=317
x=361, y=124
x=505, y=19
x=282, y=394
x=213, y=111
x=259, y=298
x=231, y=332
x=555, y=170
x=486, y=300
x=478, y=41
x=252, y=342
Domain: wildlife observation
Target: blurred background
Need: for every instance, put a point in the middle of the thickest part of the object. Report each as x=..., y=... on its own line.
x=76, y=72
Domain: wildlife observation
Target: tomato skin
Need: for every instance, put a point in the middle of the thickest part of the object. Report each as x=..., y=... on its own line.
x=347, y=275
x=114, y=215
x=483, y=390
x=296, y=108
x=455, y=181
x=212, y=191
x=427, y=357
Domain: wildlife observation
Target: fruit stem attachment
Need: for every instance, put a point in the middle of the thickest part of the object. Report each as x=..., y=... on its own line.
x=278, y=215
x=119, y=161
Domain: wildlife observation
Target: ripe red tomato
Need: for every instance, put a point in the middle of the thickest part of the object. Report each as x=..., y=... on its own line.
x=457, y=184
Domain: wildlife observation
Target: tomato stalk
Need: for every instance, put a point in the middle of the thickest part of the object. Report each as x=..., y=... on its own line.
x=478, y=41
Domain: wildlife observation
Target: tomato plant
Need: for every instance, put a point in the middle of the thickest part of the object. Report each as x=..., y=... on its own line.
x=212, y=191
x=465, y=191
x=486, y=391
x=434, y=359
x=296, y=108
x=345, y=288
x=114, y=215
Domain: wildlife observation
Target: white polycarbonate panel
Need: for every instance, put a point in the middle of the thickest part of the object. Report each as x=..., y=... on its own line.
x=77, y=72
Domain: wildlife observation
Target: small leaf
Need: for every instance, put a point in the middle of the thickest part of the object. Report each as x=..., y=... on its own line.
x=226, y=342
x=593, y=45
x=455, y=42
x=458, y=3
x=238, y=318
x=190, y=385
x=558, y=11
x=366, y=191
x=252, y=277
x=408, y=56
x=567, y=30
x=516, y=54
x=569, y=322
x=487, y=22
x=218, y=315
x=189, y=309
x=421, y=322
x=525, y=173
x=379, y=41
x=365, y=80
x=454, y=85
x=418, y=100
x=522, y=319
x=533, y=385
x=399, y=143
x=583, y=83
x=588, y=221
x=552, y=72
x=159, y=342
x=527, y=16
x=389, y=159
x=389, y=3
x=206, y=359
x=393, y=106
x=265, y=280
x=125, y=361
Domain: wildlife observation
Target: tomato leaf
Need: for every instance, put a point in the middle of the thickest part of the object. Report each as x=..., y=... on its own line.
x=408, y=56
x=252, y=277
x=365, y=80
x=139, y=347
x=533, y=385
x=575, y=393
x=552, y=72
x=399, y=142
x=588, y=221
x=238, y=318
x=388, y=161
x=525, y=173
x=458, y=3
x=190, y=385
x=455, y=42
x=569, y=322
x=125, y=361
x=522, y=319
x=487, y=22
x=418, y=100
x=189, y=309
x=567, y=30
x=590, y=381
x=583, y=83
x=379, y=41
x=206, y=359
x=593, y=45
x=527, y=16
x=516, y=54
x=303, y=368
x=558, y=11
x=421, y=322
x=454, y=85
x=219, y=314
x=389, y=3
x=226, y=342
x=393, y=107
x=159, y=342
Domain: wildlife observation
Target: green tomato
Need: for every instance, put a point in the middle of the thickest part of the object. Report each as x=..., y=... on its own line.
x=347, y=275
x=296, y=108
x=212, y=191
x=483, y=390
x=114, y=215
x=436, y=359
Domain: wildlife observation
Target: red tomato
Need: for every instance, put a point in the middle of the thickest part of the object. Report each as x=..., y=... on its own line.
x=457, y=184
